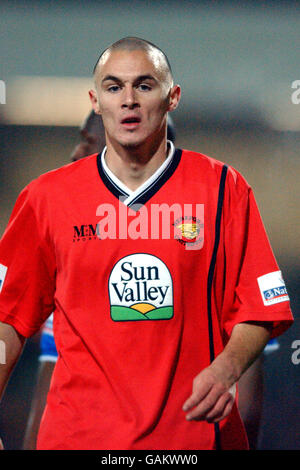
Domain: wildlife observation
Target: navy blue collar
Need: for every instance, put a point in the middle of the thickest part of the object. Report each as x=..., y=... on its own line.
x=143, y=197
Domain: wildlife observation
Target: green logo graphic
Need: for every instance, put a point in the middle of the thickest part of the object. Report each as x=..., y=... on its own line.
x=140, y=288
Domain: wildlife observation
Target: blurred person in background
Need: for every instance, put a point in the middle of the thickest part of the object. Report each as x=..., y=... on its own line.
x=136, y=75
x=92, y=140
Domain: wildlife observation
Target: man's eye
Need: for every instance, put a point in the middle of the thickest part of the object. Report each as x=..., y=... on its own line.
x=113, y=88
x=144, y=87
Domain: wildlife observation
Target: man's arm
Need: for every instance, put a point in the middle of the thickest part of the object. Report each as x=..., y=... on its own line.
x=13, y=344
x=213, y=391
x=38, y=404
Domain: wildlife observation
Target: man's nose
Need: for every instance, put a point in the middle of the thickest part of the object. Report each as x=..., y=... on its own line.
x=129, y=98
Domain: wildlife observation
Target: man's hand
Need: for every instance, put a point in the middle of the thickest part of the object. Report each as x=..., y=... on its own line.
x=212, y=397
x=1, y=445
x=213, y=391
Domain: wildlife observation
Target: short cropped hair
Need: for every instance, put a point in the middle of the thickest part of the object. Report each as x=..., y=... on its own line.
x=133, y=43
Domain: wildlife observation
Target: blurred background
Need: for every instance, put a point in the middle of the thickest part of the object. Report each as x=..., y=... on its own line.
x=238, y=66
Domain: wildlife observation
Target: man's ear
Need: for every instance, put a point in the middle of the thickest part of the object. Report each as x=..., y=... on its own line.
x=175, y=94
x=94, y=101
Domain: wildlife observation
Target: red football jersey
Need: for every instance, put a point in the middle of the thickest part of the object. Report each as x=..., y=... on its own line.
x=146, y=288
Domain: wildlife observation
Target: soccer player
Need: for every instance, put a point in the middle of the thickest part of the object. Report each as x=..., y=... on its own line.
x=251, y=383
x=148, y=256
x=92, y=137
x=92, y=141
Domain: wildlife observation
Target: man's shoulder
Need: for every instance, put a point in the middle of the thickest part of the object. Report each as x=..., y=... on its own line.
x=62, y=176
x=192, y=157
x=69, y=170
x=212, y=167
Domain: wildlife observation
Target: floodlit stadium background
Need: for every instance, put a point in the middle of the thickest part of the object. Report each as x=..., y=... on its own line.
x=236, y=65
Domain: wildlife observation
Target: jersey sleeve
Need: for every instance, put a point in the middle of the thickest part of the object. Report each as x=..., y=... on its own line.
x=27, y=268
x=254, y=289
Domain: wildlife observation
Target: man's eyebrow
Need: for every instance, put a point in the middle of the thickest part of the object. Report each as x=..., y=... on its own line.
x=141, y=78
x=112, y=78
x=138, y=79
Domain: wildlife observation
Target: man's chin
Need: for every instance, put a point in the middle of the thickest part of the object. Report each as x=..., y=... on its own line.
x=132, y=143
x=135, y=141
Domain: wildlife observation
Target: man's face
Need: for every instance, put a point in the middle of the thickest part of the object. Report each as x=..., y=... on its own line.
x=133, y=95
x=92, y=138
x=88, y=145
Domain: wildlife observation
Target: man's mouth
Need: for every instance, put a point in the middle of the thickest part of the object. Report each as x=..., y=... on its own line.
x=131, y=121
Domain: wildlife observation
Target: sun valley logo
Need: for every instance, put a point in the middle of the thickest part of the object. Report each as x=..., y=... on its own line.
x=140, y=288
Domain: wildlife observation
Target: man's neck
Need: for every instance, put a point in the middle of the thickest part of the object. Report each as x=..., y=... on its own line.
x=134, y=166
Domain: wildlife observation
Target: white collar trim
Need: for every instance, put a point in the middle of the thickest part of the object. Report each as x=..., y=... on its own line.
x=128, y=193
